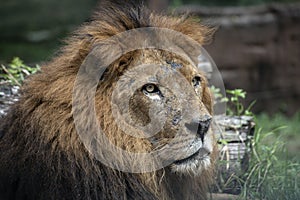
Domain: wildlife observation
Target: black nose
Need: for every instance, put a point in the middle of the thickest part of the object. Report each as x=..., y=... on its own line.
x=200, y=126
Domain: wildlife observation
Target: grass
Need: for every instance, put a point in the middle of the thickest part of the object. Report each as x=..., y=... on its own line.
x=287, y=129
x=274, y=171
x=274, y=168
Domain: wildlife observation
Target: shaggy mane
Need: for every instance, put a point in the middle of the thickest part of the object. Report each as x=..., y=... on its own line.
x=41, y=154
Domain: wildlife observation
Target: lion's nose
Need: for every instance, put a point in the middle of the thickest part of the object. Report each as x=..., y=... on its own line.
x=200, y=126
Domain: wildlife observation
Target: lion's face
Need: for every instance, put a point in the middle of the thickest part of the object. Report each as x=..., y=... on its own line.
x=169, y=100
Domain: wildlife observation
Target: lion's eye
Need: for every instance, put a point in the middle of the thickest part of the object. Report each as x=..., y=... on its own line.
x=150, y=88
x=196, y=81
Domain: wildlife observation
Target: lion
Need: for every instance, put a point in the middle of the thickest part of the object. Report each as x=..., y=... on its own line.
x=42, y=154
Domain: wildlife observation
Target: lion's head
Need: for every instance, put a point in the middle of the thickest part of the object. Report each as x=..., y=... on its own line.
x=83, y=124
x=159, y=102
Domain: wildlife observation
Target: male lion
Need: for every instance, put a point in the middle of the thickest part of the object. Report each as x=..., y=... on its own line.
x=43, y=151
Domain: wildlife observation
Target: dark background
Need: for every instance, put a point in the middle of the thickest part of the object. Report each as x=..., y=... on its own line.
x=33, y=29
x=257, y=45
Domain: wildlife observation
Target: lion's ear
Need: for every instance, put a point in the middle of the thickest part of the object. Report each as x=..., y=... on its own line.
x=98, y=62
x=124, y=61
x=118, y=67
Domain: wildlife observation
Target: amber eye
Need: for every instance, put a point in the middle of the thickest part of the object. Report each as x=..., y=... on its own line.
x=196, y=81
x=150, y=88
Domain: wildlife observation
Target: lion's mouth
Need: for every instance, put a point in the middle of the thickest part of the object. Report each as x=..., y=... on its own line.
x=201, y=154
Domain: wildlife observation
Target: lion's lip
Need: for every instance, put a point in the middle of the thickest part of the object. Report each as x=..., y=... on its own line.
x=198, y=155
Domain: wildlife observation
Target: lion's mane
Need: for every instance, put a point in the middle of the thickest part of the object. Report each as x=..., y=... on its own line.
x=41, y=156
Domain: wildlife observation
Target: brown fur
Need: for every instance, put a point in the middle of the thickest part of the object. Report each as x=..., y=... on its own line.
x=40, y=152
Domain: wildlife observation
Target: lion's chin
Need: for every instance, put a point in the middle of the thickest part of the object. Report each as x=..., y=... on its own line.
x=194, y=164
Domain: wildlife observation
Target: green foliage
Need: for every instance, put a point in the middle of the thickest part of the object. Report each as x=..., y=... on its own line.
x=234, y=101
x=271, y=176
x=290, y=134
x=218, y=95
x=16, y=72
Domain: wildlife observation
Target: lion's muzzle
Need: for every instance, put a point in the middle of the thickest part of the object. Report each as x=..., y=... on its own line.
x=200, y=126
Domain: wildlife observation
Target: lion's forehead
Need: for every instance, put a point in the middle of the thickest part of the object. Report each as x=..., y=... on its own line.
x=167, y=64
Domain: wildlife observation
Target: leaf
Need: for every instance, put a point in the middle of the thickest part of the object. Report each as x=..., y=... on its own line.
x=17, y=71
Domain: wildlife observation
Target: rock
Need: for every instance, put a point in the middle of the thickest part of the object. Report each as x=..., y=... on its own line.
x=8, y=96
